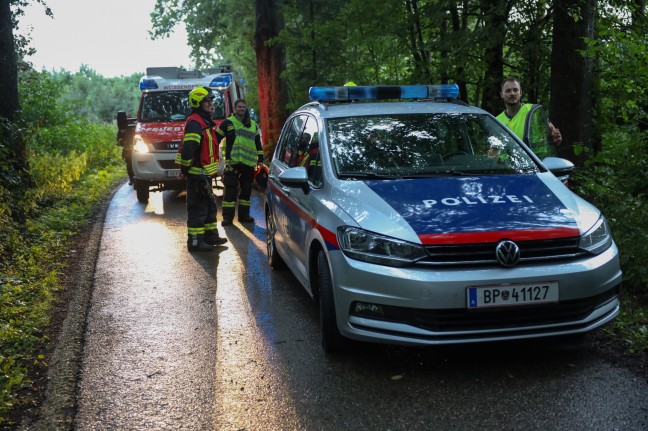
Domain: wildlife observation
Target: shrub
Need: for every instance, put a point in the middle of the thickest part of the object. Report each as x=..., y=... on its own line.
x=615, y=181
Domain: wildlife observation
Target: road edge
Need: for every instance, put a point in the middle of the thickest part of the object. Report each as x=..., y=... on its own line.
x=58, y=409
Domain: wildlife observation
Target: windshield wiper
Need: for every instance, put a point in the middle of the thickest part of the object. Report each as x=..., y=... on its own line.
x=369, y=175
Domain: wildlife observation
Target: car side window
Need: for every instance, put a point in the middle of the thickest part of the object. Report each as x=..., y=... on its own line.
x=287, y=147
x=310, y=156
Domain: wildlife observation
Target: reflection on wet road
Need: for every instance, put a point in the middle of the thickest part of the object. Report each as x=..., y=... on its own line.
x=219, y=341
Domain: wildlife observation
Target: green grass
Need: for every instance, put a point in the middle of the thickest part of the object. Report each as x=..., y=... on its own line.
x=31, y=277
x=632, y=324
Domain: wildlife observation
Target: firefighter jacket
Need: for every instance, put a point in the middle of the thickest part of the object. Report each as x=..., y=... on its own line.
x=198, y=151
x=243, y=141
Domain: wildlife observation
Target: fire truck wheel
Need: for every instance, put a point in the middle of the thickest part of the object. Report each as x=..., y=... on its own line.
x=142, y=189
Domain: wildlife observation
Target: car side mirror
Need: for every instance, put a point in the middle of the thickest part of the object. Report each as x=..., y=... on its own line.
x=295, y=177
x=561, y=168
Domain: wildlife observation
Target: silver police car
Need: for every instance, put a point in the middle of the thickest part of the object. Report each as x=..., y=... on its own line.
x=428, y=222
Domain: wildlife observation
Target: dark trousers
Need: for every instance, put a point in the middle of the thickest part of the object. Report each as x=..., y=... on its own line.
x=201, y=206
x=237, y=181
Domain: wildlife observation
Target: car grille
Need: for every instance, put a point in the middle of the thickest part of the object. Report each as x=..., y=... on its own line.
x=484, y=254
x=166, y=146
x=448, y=321
x=168, y=164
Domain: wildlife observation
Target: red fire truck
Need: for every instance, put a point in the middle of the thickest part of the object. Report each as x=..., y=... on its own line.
x=150, y=140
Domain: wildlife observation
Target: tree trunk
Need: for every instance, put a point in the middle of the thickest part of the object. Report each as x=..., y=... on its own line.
x=270, y=65
x=572, y=78
x=14, y=176
x=495, y=13
x=9, y=104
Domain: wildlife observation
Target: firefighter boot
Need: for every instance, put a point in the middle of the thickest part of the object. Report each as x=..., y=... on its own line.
x=244, y=214
x=197, y=243
x=212, y=237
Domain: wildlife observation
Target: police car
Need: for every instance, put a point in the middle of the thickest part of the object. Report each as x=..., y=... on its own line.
x=420, y=220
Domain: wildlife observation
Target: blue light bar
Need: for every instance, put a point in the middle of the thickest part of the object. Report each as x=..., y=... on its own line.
x=382, y=92
x=443, y=91
x=221, y=81
x=148, y=84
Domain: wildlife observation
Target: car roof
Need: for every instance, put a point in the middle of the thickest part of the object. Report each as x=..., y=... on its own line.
x=340, y=110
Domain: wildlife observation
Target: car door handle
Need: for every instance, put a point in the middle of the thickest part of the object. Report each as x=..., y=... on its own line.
x=286, y=190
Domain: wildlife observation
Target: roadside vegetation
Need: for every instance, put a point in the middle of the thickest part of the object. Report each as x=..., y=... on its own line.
x=74, y=163
x=614, y=180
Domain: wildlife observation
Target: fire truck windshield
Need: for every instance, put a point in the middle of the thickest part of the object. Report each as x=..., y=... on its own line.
x=165, y=106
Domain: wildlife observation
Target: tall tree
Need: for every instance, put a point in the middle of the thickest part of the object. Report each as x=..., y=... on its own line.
x=572, y=77
x=13, y=160
x=270, y=66
x=495, y=14
x=9, y=104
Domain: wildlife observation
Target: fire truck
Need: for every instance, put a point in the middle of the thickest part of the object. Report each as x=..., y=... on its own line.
x=150, y=140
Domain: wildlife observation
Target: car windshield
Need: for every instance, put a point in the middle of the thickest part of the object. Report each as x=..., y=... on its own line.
x=412, y=145
x=165, y=106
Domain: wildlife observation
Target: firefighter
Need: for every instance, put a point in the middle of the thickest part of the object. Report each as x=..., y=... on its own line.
x=198, y=160
x=243, y=156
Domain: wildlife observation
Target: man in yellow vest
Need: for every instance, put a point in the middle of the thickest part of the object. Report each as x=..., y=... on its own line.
x=243, y=154
x=516, y=115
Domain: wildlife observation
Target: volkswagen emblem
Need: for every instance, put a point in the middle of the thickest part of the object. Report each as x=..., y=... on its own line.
x=507, y=253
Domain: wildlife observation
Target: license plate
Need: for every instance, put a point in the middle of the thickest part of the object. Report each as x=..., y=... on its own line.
x=512, y=294
x=172, y=173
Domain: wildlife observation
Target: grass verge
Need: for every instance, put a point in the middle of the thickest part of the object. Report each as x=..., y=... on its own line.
x=30, y=280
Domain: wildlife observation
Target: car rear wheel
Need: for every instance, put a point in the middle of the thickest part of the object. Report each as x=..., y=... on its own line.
x=142, y=190
x=274, y=260
x=332, y=340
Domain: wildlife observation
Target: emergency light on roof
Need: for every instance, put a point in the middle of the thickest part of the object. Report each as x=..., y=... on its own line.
x=221, y=82
x=383, y=92
x=148, y=84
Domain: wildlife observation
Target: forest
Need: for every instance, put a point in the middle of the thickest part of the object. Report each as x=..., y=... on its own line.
x=585, y=61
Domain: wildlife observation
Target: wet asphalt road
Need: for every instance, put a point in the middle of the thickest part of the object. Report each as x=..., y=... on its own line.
x=219, y=341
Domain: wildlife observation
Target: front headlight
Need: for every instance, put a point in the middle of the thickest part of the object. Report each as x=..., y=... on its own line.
x=598, y=238
x=371, y=247
x=139, y=145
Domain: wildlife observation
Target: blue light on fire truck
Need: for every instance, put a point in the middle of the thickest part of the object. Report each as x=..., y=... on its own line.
x=221, y=82
x=148, y=84
x=383, y=92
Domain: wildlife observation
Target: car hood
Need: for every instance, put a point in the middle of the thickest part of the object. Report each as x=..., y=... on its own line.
x=451, y=210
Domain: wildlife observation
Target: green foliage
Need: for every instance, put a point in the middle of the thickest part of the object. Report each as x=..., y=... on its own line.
x=620, y=51
x=614, y=180
x=632, y=325
x=96, y=98
x=80, y=136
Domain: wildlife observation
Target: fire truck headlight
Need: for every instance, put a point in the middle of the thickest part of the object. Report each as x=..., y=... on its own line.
x=139, y=145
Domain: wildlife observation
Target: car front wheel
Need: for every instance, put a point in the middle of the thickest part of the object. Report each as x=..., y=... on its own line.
x=332, y=340
x=274, y=260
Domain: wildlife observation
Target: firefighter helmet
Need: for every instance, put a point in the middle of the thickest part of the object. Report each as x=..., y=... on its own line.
x=199, y=94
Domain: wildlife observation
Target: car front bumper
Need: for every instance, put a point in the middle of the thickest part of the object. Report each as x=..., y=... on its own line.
x=428, y=306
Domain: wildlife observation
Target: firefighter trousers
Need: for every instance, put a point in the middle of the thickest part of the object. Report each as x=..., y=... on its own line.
x=237, y=180
x=201, y=205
